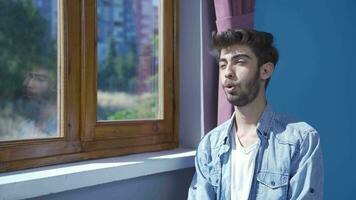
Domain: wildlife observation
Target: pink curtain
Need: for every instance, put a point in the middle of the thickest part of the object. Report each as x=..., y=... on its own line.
x=231, y=14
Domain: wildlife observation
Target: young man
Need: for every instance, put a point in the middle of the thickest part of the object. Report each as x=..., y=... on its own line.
x=257, y=154
x=40, y=107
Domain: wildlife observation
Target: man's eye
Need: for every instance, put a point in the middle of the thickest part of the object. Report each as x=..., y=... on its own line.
x=40, y=79
x=240, y=61
x=222, y=66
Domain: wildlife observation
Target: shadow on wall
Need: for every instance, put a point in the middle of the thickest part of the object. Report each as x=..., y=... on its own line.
x=169, y=185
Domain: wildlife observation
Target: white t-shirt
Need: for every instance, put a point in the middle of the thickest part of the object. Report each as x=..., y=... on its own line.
x=242, y=168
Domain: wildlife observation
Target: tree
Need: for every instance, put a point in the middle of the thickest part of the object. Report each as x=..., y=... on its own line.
x=24, y=44
x=118, y=73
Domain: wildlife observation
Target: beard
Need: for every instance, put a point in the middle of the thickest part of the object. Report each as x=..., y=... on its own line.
x=33, y=104
x=246, y=92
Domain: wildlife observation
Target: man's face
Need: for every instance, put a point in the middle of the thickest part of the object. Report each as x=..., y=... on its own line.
x=37, y=84
x=239, y=74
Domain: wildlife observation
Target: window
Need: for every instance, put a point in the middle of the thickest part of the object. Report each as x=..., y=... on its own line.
x=28, y=106
x=108, y=88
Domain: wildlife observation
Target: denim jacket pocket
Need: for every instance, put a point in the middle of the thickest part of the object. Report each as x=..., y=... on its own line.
x=272, y=185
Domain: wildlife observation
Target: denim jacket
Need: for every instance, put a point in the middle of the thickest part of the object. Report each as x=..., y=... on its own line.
x=288, y=163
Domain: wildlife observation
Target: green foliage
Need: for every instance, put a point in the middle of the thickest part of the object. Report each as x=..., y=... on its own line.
x=153, y=80
x=148, y=109
x=24, y=44
x=119, y=70
x=155, y=42
x=119, y=74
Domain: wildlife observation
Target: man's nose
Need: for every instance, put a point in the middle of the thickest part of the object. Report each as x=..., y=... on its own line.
x=29, y=83
x=229, y=73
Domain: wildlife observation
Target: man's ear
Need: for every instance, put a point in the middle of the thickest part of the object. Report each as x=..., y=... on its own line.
x=266, y=70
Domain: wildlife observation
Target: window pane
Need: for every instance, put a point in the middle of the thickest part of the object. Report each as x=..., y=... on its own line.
x=128, y=61
x=28, y=69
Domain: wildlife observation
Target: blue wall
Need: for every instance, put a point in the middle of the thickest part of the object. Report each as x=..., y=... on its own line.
x=314, y=79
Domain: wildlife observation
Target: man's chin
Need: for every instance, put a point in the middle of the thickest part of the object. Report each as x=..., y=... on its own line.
x=237, y=101
x=28, y=96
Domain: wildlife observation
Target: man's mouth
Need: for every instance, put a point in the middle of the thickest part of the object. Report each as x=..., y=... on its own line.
x=230, y=88
x=29, y=94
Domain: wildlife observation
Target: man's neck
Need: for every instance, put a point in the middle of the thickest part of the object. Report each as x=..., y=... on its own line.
x=246, y=117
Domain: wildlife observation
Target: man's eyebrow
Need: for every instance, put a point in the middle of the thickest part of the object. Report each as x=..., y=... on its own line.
x=237, y=56
x=222, y=60
x=39, y=75
x=241, y=56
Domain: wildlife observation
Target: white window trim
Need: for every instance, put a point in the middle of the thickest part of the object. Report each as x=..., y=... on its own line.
x=58, y=178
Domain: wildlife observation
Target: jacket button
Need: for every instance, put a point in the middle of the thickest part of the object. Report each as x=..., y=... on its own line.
x=311, y=190
x=273, y=183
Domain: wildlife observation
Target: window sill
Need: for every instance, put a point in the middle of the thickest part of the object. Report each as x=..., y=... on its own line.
x=58, y=178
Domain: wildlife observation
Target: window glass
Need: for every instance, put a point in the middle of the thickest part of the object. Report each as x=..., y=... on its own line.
x=28, y=69
x=127, y=60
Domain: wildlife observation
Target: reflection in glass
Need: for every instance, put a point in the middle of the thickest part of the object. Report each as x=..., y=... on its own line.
x=127, y=56
x=28, y=72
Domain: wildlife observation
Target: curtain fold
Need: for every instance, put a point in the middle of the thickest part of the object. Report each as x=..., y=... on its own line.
x=231, y=14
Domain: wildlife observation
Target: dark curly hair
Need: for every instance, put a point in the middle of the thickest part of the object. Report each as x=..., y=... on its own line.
x=261, y=43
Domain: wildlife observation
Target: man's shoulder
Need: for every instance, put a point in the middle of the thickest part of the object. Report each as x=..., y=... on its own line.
x=291, y=130
x=216, y=136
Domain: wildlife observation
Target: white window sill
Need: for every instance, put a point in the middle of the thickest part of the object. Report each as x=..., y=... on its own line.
x=58, y=178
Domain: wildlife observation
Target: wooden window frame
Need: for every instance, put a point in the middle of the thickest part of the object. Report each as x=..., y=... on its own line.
x=83, y=137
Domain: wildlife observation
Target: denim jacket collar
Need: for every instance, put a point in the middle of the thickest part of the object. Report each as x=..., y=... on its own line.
x=265, y=122
x=263, y=128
